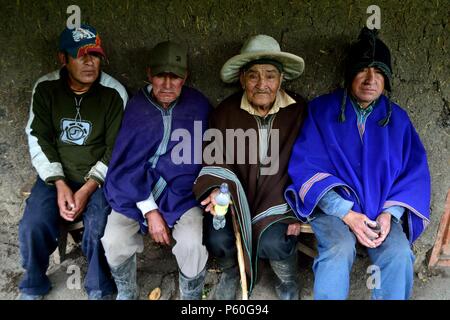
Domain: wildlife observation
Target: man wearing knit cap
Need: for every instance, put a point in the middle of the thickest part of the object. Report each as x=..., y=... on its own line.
x=360, y=175
x=267, y=225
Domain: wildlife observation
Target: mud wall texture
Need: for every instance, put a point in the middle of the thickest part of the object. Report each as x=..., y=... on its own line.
x=320, y=31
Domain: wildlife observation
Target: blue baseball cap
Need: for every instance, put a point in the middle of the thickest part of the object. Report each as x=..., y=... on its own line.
x=80, y=41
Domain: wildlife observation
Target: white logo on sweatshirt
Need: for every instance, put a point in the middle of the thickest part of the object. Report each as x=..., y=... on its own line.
x=75, y=131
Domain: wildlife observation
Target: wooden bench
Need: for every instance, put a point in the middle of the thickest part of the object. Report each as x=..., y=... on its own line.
x=311, y=252
x=75, y=229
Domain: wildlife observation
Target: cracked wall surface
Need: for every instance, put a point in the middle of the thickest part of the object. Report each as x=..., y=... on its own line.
x=320, y=31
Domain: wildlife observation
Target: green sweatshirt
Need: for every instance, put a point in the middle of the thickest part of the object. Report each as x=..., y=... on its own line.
x=71, y=136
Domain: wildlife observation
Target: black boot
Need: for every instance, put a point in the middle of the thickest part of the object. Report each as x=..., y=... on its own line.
x=191, y=288
x=286, y=271
x=125, y=279
x=228, y=282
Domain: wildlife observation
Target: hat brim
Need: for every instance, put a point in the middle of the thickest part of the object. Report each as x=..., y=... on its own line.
x=98, y=50
x=176, y=70
x=79, y=52
x=293, y=66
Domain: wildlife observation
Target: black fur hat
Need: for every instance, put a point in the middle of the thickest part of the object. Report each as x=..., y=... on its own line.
x=369, y=51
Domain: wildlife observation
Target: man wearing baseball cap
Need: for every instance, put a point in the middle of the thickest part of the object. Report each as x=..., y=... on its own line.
x=75, y=115
x=148, y=188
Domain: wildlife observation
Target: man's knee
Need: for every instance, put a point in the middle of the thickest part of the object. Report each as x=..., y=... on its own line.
x=343, y=248
x=396, y=246
x=274, y=244
x=30, y=223
x=109, y=241
x=98, y=198
x=338, y=247
x=121, y=238
x=39, y=218
x=399, y=253
x=188, y=231
x=95, y=226
x=188, y=241
x=96, y=214
x=113, y=238
x=220, y=244
x=335, y=240
x=191, y=256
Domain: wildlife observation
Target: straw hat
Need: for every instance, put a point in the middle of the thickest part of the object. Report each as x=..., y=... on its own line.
x=262, y=47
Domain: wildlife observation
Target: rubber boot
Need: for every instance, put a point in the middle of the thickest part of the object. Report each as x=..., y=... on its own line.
x=191, y=288
x=125, y=278
x=228, y=282
x=286, y=271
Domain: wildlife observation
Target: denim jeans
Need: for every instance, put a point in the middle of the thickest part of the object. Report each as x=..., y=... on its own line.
x=39, y=233
x=336, y=246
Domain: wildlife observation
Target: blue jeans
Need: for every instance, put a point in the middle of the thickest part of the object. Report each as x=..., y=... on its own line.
x=336, y=246
x=39, y=233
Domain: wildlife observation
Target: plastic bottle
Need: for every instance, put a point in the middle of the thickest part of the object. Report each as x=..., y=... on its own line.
x=223, y=199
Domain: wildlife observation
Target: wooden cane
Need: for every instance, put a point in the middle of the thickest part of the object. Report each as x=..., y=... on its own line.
x=240, y=255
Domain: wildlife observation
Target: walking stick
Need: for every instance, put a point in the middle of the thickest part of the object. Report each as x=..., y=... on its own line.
x=240, y=255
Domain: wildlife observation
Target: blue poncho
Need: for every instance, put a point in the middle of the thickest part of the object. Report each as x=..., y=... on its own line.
x=143, y=161
x=383, y=167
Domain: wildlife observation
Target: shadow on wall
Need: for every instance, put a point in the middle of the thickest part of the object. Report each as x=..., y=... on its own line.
x=324, y=65
x=134, y=76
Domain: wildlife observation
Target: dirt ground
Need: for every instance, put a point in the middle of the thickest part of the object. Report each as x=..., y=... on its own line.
x=157, y=268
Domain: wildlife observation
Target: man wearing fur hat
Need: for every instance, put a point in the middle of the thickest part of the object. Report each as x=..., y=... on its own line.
x=272, y=117
x=360, y=175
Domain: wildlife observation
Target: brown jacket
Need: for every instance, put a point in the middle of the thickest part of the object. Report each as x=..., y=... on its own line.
x=253, y=194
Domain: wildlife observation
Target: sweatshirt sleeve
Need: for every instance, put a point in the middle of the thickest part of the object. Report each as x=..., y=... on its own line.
x=112, y=126
x=41, y=137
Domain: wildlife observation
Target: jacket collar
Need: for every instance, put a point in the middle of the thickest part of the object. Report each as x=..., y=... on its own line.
x=282, y=100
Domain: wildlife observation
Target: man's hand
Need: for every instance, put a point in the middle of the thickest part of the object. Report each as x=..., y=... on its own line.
x=82, y=196
x=293, y=229
x=357, y=223
x=210, y=201
x=66, y=202
x=157, y=227
x=384, y=219
x=72, y=205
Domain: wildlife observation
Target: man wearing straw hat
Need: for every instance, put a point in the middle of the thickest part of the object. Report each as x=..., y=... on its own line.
x=268, y=119
x=360, y=175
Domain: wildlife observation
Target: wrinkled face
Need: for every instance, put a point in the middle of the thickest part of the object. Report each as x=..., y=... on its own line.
x=84, y=70
x=166, y=87
x=368, y=85
x=261, y=83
